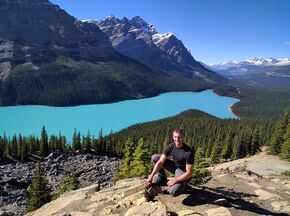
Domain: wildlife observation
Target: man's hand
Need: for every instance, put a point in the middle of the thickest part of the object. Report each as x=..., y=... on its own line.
x=171, y=182
x=148, y=181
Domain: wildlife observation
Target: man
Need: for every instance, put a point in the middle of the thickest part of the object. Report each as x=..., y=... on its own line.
x=181, y=166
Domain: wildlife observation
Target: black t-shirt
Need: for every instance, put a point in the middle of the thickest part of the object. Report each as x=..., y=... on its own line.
x=181, y=156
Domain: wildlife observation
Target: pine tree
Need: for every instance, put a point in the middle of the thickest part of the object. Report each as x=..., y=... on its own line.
x=6, y=148
x=198, y=157
x=256, y=142
x=22, y=149
x=285, y=148
x=43, y=143
x=216, y=151
x=278, y=137
x=87, y=142
x=124, y=168
x=1, y=147
x=39, y=192
x=139, y=165
x=101, y=146
x=68, y=182
x=76, y=145
x=14, y=146
x=227, y=149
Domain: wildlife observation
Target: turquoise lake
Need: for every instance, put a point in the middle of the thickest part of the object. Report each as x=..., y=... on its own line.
x=28, y=120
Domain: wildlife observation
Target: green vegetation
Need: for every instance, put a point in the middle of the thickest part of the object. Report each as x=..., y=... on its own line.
x=135, y=161
x=261, y=103
x=286, y=172
x=39, y=193
x=67, y=82
x=68, y=183
x=202, y=130
x=200, y=174
x=280, y=143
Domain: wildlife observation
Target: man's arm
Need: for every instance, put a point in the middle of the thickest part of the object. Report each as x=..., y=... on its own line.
x=183, y=177
x=156, y=168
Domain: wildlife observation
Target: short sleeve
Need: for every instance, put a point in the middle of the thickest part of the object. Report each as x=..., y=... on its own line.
x=167, y=150
x=189, y=157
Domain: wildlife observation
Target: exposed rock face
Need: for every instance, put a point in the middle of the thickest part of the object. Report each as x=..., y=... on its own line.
x=38, y=31
x=140, y=40
x=234, y=190
x=88, y=168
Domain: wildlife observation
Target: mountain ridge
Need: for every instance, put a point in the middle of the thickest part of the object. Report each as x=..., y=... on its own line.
x=49, y=57
x=140, y=40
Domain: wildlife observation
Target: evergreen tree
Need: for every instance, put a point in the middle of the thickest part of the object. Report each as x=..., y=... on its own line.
x=39, y=192
x=240, y=149
x=101, y=146
x=227, y=149
x=68, y=182
x=43, y=143
x=22, y=149
x=52, y=143
x=285, y=148
x=256, y=142
x=124, y=168
x=14, y=146
x=216, y=151
x=139, y=165
x=278, y=137
x=1, y=147
x=6, y=148
x=87, y=142
x=76, y=145
x=198, y=157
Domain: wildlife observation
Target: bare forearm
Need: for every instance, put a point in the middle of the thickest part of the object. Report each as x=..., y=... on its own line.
x=156, y=168
x=183, y=177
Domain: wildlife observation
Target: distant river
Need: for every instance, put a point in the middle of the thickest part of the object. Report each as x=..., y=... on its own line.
x=28, y=120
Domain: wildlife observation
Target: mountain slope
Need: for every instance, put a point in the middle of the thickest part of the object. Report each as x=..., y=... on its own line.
x=139, y=40
x=270, y=72
x=49, y=57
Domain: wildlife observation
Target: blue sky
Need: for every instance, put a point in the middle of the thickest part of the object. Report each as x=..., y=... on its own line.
x=214, y=30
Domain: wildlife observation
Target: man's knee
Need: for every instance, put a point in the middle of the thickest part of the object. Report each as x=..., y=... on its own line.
x=155, y=158
x=174, y=192
x=176, y=189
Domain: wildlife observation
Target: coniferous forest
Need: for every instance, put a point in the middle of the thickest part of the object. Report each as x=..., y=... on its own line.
x=218, y=138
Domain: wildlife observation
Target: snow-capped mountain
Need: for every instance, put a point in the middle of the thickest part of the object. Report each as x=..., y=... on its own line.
x=257, y=71
x=242, y=65
x=140, y=40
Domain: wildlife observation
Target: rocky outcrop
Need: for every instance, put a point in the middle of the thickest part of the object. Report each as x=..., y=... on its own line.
x=39, y=31
x=140, y=40
x=234, y=190
x=88, y=168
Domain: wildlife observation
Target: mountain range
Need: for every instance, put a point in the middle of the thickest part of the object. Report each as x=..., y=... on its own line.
x=140, y=40
x=49, y=57
x=256, y=71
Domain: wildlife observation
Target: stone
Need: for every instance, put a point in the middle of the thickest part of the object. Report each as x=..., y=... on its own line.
x=64, y=214
x=221, y=211
x=188, y=212
x=221, y=202
x=148, y=209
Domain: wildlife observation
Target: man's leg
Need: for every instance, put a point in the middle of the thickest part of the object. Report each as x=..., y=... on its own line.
x=169, y=165
x=179, y=187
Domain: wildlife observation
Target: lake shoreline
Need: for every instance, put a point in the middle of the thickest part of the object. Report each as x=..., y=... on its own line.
x=110, y=117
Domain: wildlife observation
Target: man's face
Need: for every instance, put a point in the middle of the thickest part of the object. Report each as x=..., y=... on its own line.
x=178, y=139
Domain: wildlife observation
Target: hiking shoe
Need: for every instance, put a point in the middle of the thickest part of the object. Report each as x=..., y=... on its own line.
x=151, y=191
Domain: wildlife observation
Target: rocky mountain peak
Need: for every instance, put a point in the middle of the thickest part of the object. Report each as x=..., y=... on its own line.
x=44, y=29
x=138, y=22
x=140, y=40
